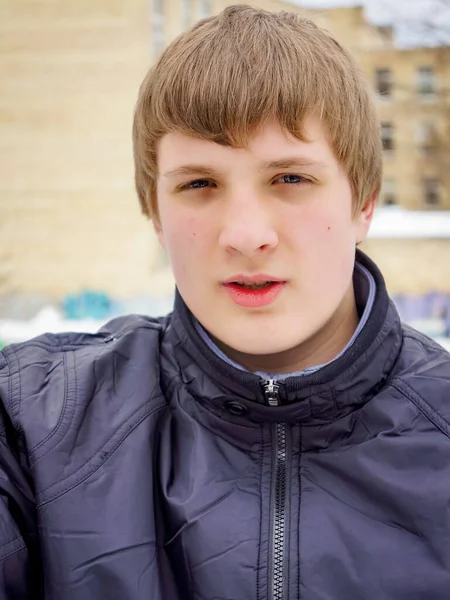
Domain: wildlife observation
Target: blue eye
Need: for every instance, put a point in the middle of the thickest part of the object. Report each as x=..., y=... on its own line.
x=197, y=184
x=292, y=179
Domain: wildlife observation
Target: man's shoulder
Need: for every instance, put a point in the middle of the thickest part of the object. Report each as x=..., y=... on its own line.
x=422, y=374
x=71, y=340
x=420, y=349
x=43, y=376
x=130, y=326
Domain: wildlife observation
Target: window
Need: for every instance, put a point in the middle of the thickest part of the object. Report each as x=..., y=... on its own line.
x=383, y=82
x=427, y=137
x=425, y=82
x=387, y=136
x=389, y=192
x=158, y=19
x=431, y=192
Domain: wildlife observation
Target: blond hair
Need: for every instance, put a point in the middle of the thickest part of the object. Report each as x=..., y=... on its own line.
x=230, y=73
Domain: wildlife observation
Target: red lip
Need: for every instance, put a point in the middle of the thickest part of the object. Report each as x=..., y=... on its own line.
x=255, y=298
x=258, y=278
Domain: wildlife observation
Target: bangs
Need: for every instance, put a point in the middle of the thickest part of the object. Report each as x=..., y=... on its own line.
x=227, y=85
x=231, y=73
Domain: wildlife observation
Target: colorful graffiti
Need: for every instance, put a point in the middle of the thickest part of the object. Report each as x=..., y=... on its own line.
x=100, y=306
x=87, y=305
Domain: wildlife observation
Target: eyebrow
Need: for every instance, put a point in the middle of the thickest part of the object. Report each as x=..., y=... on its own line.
x=283, y=163
x=191, y=170
x=288, y=163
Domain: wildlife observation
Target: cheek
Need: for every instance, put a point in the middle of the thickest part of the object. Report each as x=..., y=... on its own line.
x=322, y=238
x=334, y=239
x=318, y=229
x=185, y=237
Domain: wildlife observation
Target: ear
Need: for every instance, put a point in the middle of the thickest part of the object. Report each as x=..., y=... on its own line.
x=159, y=232
x=364, y=218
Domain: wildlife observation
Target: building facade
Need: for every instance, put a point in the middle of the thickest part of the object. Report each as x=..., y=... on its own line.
x=70, y=72
x=69, y=216
x=412, y=90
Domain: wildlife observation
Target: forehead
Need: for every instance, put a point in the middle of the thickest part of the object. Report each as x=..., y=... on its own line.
x=270, y=143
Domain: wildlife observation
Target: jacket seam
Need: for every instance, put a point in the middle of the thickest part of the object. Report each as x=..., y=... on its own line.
x=13, y=542
x=69, y=401
x=423, y=406
x=62, y=344
x=172, y=384
x=53, y=432
x=18, y=549
x=10, y=390
x=99, y=458
x=14, y=392
x=422, y=341
x=4, y=363
x=188, y=565
x=55, y=348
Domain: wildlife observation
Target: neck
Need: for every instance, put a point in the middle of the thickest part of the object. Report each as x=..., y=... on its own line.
x=321, y=348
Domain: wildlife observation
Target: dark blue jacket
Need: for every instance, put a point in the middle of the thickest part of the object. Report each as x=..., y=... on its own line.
x=136, y=465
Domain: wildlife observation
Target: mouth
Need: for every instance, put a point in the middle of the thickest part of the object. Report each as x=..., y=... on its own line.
x=255, y=292
x=253, y=286
x=253, y=281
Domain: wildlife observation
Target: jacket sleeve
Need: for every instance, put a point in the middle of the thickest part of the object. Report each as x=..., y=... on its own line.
x=19, y=555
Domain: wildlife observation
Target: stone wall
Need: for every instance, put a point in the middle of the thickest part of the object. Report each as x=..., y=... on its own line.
x=69, y=216
x=412, y=266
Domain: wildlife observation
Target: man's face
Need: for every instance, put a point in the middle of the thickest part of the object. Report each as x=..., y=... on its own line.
x=280, y=210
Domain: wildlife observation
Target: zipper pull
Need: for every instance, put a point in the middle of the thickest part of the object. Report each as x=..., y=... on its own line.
x=272, y=392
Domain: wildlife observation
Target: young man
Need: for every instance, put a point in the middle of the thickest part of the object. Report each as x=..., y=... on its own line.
x=281, y=435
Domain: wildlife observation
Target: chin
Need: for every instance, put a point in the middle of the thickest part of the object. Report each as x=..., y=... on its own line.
x=263, y=342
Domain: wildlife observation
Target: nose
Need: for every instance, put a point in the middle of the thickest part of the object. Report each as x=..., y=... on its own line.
x=248, y=228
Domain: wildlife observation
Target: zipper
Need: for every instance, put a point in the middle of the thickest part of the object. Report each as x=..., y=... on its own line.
x=278, y=498
x=272, y=392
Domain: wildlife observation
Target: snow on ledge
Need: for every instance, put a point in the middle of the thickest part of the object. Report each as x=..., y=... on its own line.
x=396, y=222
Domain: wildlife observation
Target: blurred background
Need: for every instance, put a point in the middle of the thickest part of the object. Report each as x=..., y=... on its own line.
x=75, y=250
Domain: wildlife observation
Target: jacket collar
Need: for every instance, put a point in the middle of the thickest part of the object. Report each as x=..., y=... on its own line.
x=334, y=390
